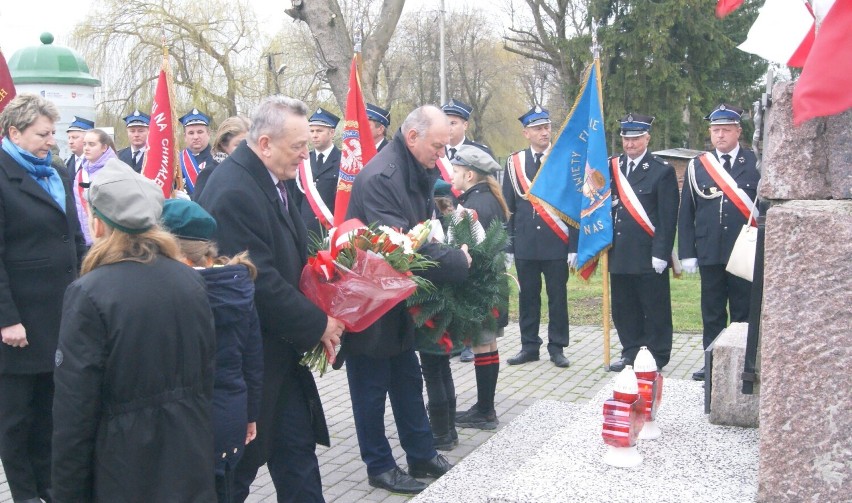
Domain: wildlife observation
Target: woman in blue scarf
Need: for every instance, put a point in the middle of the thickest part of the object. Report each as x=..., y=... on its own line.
x=40, y=251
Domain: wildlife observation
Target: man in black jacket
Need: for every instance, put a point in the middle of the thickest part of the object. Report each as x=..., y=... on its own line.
x=395, y=189
x=644, y=218
x=321, y=179
x=253, y=211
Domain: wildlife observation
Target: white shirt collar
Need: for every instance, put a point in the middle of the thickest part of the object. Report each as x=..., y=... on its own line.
x=325, y=152
x=458, y=145
x=733, y=153
x=546, y=151
x=636, y=161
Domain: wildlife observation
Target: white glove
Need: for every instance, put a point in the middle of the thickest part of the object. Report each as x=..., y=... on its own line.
x=690, y=265
x=180, y=194
x=658, y=265
x=510, y=259
x=572, y=260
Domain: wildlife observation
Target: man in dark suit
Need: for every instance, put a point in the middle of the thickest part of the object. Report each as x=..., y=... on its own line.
x=76, y=131
x=644, y=218
x=458, y=114
x=137, y=134
x=379, y=124
x=196, y=160
x=325, y=167
x=710, y=221
x=395, y=189
x=252, y=208
x=540, y=245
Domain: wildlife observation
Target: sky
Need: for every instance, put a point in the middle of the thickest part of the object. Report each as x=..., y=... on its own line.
x=21, y=27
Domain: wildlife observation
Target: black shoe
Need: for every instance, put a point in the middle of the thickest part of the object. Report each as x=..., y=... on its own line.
x=559, y=360
x=523, y=357
x=699, y=375
x=397, y=481
x=474, y=418
x=618, y=365
x=435, y=467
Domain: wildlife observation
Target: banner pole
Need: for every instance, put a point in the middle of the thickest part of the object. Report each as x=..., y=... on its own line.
x=605, y=307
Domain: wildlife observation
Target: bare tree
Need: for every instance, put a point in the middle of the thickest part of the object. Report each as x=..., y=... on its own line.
x=213, y=56
x=374, y=20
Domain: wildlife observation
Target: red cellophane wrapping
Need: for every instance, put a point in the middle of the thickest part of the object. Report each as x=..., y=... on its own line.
x=358, y=296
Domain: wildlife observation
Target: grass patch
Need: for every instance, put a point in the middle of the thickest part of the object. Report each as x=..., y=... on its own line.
x=584, y=302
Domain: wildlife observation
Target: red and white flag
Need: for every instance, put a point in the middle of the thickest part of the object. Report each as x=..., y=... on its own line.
x=782, y=33
x=825, y=86
x=7, y=86
x=725, y=7
x=160, y=158
x=355, y=153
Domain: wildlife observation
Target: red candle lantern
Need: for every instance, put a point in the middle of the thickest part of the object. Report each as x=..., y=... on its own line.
x=624, y=416
x=650, y=383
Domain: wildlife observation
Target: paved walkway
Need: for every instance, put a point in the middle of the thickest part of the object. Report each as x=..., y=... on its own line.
x=343, y=473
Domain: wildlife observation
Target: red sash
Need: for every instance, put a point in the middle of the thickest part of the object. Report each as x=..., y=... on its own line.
x=309, y=188
x=554, y=222
x=446, y=170
x=80, y=190
x=637, y=211
x=729, y=186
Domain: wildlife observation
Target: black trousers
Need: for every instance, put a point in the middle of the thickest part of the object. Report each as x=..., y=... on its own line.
x=642, y=312
x=26, y=428
x=529, y=299
x=720, y=291
x=292, y=461
x=440, y=387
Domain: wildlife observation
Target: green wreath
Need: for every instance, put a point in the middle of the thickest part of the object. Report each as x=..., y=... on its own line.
x=460, y=312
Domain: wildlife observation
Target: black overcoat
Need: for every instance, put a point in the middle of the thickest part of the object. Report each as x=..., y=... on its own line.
x=134, y=384
x=325, y=177
x=249, y=214
x=393, y=189
x=40, y=252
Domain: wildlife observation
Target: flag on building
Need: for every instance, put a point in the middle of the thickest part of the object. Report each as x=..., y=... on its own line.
x=574, y=179
x=354, y=153
x=825, y=86
x=160, y=160
x=7, y=86
x=782, y=33
x=725, y=7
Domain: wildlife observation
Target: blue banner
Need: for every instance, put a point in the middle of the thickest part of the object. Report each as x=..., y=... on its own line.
x=574, y=180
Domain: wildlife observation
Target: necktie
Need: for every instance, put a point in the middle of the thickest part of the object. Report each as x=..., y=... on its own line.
x=537, y=157
x=282, y=191
x=727, y=162
x=136, y=156
x=630, y=166
x=320, y=159
x=452, y=154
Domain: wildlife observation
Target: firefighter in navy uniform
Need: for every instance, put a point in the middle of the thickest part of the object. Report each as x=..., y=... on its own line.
x=379, y=124
x=638, y=261
x=458, y=114
x=537, y=249
x=196, y=136
x=325, y=168
x=137, y=125
x=709, y=223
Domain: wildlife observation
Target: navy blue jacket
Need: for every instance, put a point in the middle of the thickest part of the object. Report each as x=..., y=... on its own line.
x=239, y=360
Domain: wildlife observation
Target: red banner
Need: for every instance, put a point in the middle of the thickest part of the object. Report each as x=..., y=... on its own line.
x=354, y=152
x=7, y=87
x=160, y=159
x=725, y=7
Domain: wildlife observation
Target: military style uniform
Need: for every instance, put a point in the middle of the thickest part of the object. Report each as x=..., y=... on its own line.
x=325, y=177
x=538, y=251
x=75, y=162
x=135, y=158
x=708, y=226
x=641, y=297
x=380, y=115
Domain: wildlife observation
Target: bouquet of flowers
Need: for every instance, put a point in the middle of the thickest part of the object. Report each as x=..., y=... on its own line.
x=361, y=273
x=458, y=313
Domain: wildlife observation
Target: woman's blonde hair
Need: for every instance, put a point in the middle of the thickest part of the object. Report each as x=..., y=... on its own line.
x=118, y=246
x=230, y=127
x=200, y=253
x=25, y=109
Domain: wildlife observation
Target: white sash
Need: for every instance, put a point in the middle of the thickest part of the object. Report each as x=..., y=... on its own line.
x=305, y=180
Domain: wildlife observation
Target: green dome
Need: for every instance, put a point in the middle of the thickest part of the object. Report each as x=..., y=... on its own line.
x=50, y=64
